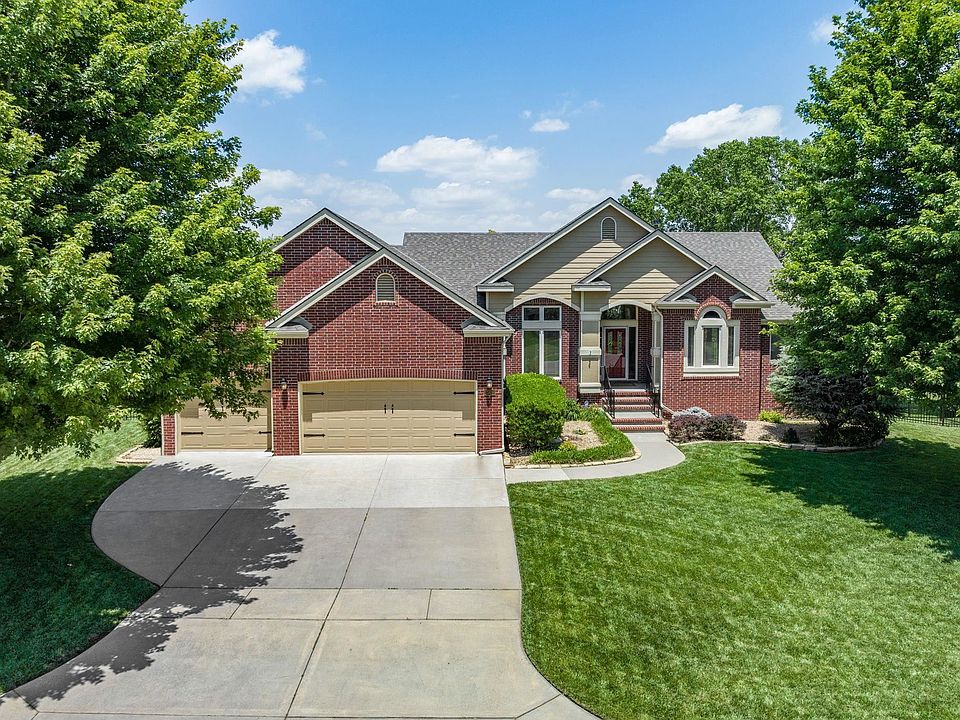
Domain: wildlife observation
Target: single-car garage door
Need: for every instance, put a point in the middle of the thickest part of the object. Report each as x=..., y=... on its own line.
x=388, y=416
x=199, y=431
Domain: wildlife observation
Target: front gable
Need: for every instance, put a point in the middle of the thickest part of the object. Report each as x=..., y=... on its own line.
x=315, y=252
x=714, y=284
x=646, y=275
x=553, y=267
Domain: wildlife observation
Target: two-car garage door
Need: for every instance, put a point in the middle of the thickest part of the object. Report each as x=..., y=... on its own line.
x=388, y=416
x=352, y=416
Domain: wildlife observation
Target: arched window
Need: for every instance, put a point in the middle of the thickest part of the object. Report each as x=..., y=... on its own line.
x=608, y=229
x=712, y=343
x=386, y=288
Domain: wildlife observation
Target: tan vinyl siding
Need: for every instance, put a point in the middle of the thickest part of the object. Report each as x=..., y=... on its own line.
x=649, y=274
x=554, y=270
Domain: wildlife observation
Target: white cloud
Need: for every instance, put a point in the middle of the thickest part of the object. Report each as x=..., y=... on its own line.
x=716, y=126
x=287, y=188
x=526, y=114
x=486, y=196
x=462, y=160
x=644, y=180
x=270, y=67
x=822, y=30
x=577, y=195
x=549, y=125
x=314, y=133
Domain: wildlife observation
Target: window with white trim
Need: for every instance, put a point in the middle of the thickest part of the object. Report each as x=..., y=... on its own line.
x=608, y=229
x=712, y=343
x=776, y=348
x=541, y=340
x=386, y=288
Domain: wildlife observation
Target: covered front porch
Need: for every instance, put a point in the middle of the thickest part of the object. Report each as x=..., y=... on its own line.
x=620, y=347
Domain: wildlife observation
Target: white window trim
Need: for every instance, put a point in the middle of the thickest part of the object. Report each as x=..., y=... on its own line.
x=726, y=327
x=774, y=361
x=376, y=290
x=539, y=326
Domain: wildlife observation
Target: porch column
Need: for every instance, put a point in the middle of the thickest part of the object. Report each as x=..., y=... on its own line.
x=591, y=354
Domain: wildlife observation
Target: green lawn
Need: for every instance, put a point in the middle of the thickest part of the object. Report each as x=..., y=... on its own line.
x=58, y=592
x=752, y=582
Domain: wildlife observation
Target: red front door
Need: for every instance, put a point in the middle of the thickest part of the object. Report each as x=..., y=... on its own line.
x=615, y=352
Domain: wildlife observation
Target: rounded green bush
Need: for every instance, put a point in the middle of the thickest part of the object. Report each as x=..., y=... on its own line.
x=536, y=409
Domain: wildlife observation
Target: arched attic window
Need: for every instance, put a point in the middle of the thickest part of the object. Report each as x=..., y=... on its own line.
x=386, y=288
x=712, y=343
x=608, y=229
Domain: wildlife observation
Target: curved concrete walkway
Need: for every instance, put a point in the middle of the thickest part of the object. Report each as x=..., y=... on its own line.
x=656, y=453
x=347, y=586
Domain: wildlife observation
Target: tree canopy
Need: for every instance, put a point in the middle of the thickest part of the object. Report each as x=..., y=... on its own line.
x=736, y=186
x=132, y=271
x=874, y=263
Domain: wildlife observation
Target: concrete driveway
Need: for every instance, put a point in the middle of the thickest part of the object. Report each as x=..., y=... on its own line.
x=355, y=586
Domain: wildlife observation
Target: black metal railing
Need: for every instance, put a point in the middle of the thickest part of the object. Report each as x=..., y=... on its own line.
x=609, y=396
x=930, y=410
x=654, y=390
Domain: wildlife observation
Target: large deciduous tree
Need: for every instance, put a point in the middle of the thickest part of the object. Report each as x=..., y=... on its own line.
x=132, y=272
x=874, y=263
x=736, y=186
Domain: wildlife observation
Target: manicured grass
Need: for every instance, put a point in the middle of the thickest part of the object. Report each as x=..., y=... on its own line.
x=752, y=582
x=615, y=443
x=58, y=592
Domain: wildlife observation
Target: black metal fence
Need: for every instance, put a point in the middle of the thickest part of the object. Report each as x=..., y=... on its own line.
x=930, y=411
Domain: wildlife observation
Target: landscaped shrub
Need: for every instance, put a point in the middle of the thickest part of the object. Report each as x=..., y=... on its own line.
x=536, y=408
x=151, y=425
x=695, y=411
x=573, y=410
x=686, y=427
x=722, y=427
x=770, y=416
x=850, y=409
x=615, y=443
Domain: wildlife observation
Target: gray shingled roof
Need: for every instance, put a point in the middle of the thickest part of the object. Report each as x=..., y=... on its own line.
x=746, y=256
x=462, y=260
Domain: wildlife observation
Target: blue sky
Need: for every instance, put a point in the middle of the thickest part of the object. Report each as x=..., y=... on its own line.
x=413, y=115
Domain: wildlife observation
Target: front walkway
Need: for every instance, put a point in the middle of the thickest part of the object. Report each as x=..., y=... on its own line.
x=337, y=586
x=656, y=453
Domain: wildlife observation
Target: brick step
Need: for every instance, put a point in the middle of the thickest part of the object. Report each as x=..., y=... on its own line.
x=631, y=392
x=640, y=428
x=652, y=420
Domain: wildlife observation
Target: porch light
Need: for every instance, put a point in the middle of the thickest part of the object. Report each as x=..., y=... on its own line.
x=283, y=383
x=489, y=384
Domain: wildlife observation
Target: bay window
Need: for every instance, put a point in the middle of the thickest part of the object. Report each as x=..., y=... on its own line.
x=541, y=340
x=712, y=343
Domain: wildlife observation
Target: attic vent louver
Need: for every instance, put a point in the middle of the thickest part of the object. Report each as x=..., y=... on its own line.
x=608, y=229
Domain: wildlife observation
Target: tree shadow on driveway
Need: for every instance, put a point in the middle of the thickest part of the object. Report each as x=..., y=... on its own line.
x=152, y=524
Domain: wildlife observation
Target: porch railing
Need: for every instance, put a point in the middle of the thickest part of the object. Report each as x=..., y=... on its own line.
x=654, y=391
x=609, y=396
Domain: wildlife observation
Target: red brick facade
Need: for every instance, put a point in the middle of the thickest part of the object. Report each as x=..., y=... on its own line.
x=353, y=337
x=569, y=343
x=743, y=394
x=418, y=337
x=313, y=257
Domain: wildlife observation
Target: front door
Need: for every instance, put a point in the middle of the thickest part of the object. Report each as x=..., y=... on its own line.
x=615, y=352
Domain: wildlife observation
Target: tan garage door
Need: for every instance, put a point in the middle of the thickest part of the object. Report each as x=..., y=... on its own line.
x=388, y=416
x=199, y=431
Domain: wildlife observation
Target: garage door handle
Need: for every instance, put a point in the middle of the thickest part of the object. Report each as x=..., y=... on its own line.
x=311, y=393
x=384, y=408
x=314, y=434
x=191, y=432
x=264, y=432
x=391, y=408
x=464, y=434
x=464, y=392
